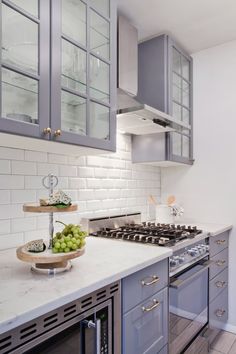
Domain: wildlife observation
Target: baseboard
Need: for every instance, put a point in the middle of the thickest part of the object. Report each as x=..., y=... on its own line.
x=228, y=327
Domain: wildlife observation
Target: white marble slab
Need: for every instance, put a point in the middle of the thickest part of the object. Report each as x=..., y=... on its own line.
x=25, y=295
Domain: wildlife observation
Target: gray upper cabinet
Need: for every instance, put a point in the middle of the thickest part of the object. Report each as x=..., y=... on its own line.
x=165, y=83
x=59, y=80
x=25, y=67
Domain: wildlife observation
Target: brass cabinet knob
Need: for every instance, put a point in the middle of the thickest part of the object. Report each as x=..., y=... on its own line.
x=47, y=131
x=57, y=132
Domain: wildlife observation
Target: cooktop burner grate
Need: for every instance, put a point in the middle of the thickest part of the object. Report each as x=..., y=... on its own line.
x=147, y=232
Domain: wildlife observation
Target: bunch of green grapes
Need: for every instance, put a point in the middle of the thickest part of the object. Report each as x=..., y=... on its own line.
x=71, y=238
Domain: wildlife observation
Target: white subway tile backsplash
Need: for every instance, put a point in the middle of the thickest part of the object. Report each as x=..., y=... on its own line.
x=11, y=240
x=5, y=197
x=44, y=169
x=69, y=171
x=23, y=224
x=36, y=156
x=5, y=227
x=11, y=154
x=11, y=182
x=5, y=167
x=24, y=168
x=23, y=196
x=101, y=186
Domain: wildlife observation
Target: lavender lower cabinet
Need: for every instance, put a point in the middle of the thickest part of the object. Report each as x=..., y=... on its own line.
x=145, y=327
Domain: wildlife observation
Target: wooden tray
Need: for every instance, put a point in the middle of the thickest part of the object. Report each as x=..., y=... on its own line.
x=47, y=261
x=36, y=208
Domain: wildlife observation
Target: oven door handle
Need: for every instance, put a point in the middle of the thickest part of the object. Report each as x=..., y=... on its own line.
x=97, y=337
x=178, y=283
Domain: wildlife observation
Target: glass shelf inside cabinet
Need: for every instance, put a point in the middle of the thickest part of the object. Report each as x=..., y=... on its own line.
x=28, y=6
x=102, y=6
x=19, y=40
x=19, y=97
x=73, y=110
x=99, y=35
x=99, y=122
x=73, y=67
x=99, y=79
x=74, y=20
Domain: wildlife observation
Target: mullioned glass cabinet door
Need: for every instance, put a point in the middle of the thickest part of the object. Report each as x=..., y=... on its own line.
x=24, y=72
x=83, y=73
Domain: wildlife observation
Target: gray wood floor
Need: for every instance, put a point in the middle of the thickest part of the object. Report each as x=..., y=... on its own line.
x=224, y=343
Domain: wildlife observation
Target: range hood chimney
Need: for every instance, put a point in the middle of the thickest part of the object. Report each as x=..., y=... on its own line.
x=132, y=116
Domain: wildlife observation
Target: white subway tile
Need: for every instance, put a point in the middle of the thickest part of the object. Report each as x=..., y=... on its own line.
x=45, y=169
x=23, y=168
x=114, y=173
x=86, y=194
x=68, y=171
x=94, y=183
x=77, y=183
x=5, y=167
x=100, y=194
x=58, y=159
x=34, y=182
x=11, y=154
x=11, y=182
x=94, y=204
x=101, y=172
x=23, y=196
x=8, y=211
x=11, y=240
x=114, y=193
x=85, y=172
x=36, y=235
x=23, y=224
x=5, y=227
x=119, y=164
x=126, y=174
x=36, y=156
x=5, y=197
x=77, y=160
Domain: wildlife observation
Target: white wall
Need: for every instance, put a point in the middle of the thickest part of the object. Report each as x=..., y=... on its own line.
x=102, y=185
x=207, y=190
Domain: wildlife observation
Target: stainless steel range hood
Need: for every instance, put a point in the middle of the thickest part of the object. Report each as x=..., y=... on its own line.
x=132, y=116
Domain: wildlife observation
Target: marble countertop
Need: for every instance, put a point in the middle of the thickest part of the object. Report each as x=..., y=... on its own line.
x=25, y=295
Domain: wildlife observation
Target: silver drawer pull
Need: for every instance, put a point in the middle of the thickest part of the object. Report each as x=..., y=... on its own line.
x=220, y=284
x=155, y=305
x=220, y=312
x=220, y=262
x=220, y=242
x=154, y=280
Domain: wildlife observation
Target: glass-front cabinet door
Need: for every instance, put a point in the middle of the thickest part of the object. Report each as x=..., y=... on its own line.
x=24, y=74
x=180, y=104
x=83, y=72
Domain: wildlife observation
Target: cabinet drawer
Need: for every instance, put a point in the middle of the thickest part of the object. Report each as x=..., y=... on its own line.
x=218, y=284
x=145, y=327
x=219, y=263
x=218, y=243
x=139, y=286
x=218, y=310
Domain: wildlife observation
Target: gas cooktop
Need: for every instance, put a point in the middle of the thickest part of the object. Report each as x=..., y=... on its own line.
x=129, y=228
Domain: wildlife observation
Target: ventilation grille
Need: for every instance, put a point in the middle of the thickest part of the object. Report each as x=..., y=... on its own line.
x=14, y=339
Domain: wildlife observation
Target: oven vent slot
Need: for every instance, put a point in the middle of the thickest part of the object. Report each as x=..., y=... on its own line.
x=28, y=331
x=5, y=342
x=86, y=302
x=50, y=320
x=114, y=288
x=101, y=295
x=68, y=311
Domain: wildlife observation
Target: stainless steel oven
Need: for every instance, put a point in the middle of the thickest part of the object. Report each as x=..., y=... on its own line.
x=188, y=305
x=90, y=325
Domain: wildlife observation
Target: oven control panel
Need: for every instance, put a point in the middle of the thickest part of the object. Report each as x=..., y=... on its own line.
x=187, y=256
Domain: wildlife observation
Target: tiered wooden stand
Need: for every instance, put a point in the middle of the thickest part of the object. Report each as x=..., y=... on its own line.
x=47, y=262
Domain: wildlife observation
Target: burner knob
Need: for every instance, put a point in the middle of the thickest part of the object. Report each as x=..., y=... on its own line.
x=181, y=259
